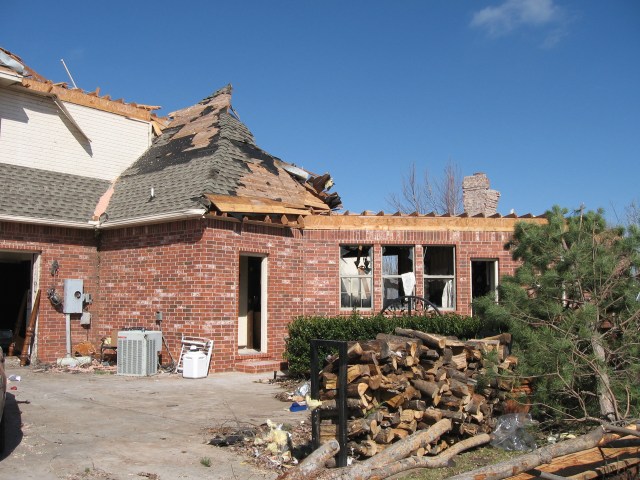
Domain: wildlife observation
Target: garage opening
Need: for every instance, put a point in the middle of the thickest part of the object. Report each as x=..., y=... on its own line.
x=252, y=311
x=484, y=278
x=16, y=286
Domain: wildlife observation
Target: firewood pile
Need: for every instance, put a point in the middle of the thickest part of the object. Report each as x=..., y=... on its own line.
x=399, y=384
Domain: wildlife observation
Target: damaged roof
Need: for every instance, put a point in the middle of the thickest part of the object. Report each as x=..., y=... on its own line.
x=206, y=158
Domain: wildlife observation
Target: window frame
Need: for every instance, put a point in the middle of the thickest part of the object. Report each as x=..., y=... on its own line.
x=369, y=276
x=412, y=250
x=453, y=277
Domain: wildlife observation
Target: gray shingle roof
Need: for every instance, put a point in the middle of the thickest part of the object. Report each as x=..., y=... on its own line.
x=43, y=194
x=205, y=149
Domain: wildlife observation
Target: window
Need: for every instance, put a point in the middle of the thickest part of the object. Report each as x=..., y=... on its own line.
x=398, y=278
x=356, y=276
x=439, y=276
x=484, y=278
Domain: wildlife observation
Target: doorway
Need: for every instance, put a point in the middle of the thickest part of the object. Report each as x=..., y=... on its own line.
x=16, y=285
x=484, y=278
x=252, y=301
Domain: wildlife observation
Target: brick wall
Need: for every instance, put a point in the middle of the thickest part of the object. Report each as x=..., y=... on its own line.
x=76, y=255
x=189, y=271
x=322, y=282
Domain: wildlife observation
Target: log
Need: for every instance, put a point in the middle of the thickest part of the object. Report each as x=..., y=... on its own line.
x=393, y=453
x=531, y=460
x=385, y=435
x=330, y=405
x=429, y=390
x=314, y=462
x=428, y=353
x=25, y=357
x=440, y=461
x=434, y=341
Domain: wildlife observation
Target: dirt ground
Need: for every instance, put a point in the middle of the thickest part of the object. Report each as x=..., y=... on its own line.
x=72, y=426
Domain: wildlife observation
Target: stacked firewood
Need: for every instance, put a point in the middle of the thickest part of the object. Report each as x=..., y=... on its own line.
x=398, y=384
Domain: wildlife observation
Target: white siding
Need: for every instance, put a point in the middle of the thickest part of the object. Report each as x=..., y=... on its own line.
x=34, y=133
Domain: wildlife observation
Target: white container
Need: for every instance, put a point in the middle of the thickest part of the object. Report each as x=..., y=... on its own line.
x=194, y=364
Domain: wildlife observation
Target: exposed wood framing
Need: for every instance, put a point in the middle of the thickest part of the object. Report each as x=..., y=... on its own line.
x=79, y=97
x=244, y=204
x=411, y=222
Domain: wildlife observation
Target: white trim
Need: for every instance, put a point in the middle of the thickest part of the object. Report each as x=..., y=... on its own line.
x=183, y=215
x=164, y=217
x=44, y=221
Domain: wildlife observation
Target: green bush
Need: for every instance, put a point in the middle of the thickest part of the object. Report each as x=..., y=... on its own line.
x=355, y=327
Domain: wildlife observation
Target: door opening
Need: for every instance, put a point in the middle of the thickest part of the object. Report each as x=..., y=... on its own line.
x=484, y=278
x=252, y=332
x=15, y=289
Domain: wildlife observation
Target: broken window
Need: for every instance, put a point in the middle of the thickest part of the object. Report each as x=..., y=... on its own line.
x=484, y=278
x=356, y=276
x=398, y=277
x=439, y=276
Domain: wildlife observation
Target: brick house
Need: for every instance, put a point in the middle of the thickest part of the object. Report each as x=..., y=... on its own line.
x=188, y=218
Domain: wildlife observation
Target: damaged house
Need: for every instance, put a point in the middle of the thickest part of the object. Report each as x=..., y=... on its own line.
x=185, y=224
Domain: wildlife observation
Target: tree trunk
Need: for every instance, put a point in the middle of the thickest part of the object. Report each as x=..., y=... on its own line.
x=606, y=399
x=531, y=460
x=393, y=453
x=314, y=462
x=439, y=461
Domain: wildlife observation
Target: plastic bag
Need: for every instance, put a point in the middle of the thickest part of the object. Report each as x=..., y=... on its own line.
x=303, y=389
x=511, y=433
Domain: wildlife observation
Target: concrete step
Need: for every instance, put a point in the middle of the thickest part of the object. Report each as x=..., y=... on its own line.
x=258, y=366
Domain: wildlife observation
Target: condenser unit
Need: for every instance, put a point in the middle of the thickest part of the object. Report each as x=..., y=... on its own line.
x=138, y=352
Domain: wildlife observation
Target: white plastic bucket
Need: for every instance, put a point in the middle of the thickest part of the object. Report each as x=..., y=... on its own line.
x=194, y=365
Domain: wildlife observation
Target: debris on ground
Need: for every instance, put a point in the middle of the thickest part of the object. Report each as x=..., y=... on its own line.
x=272, y=446
x=91, y=367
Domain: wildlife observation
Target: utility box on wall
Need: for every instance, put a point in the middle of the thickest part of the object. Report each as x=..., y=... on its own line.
x=73, y=296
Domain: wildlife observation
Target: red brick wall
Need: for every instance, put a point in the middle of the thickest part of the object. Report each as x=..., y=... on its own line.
x=322, y=253
x=75, y=252
x=189, y=271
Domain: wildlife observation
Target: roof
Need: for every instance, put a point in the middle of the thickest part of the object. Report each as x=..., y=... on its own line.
x=32, y=193
x=207, y=158
x=16, y=72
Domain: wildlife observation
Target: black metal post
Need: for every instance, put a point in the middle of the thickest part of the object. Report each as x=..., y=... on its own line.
x=341, y=397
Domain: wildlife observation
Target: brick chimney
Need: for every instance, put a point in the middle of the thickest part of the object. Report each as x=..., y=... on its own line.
x=477, y=197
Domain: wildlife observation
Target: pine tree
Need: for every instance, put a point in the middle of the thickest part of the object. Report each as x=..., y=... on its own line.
x=574, y=311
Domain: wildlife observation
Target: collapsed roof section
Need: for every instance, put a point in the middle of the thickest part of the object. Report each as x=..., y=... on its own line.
x=13, y=71
x=206, y=159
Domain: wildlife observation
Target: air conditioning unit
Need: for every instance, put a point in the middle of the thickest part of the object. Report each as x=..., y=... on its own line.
x=138, y=352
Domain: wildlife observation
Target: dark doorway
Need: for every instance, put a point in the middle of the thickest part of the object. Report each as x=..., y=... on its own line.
x=484, y=274
x=15, y=297
x=251, y=311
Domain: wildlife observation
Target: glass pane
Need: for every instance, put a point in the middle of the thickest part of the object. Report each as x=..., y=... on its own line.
x=355, y=260
x=397, y=260
x=440, y=292
x=355, y=293
x=438, y=260
x=391, y=289
x=365, y=293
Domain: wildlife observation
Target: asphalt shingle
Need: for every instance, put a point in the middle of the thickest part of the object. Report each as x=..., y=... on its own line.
x=44, y=194
x=204, y=150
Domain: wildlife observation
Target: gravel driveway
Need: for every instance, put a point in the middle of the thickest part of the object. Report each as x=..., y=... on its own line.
x=64, y=425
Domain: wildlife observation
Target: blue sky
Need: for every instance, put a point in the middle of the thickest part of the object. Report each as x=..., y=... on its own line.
x=541, y=95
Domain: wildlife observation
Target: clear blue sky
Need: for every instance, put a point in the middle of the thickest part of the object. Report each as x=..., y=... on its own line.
x=541, y=95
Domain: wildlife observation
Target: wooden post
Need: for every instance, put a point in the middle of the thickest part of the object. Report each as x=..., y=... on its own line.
x=25, y=357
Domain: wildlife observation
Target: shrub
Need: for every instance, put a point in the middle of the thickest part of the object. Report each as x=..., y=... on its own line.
x=356, y=327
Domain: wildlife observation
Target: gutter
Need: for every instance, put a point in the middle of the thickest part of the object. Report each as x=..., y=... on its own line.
x=44, y=221
x=164, y=217
x=97, y=225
